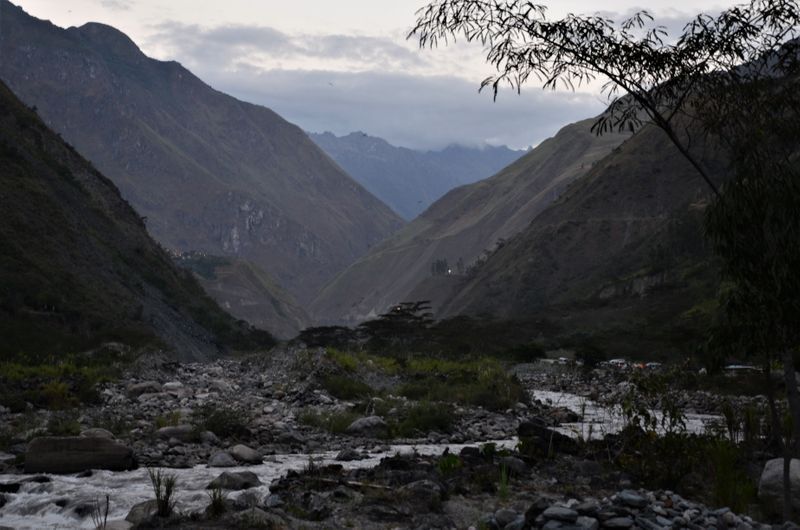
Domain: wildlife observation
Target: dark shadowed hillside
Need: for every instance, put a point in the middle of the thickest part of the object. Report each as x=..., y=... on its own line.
x=209, y=172
x=448, y=238
x=620, y=256
x=408, y=180
x=77, y=267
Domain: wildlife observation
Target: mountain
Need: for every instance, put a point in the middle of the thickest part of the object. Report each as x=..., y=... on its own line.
x=247, y=292
x=408, y=180
x=620, y=257
x=209, y=173
x=77, y=267
x=450, y=236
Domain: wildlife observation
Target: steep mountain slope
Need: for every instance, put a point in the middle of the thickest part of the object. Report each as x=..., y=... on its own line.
x=407, y=180
x=210, y=173
x=620, y=255
x=460, y=226
x=77, y=267
x=247, y=292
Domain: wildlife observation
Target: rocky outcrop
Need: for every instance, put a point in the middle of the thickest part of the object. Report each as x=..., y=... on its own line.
x=74, y=454
x=240, y=480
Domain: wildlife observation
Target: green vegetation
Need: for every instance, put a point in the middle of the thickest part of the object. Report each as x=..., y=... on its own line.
x=345, y=387
x=223, y=421
x=422, y=418
x=335, y=422
x=170, y=419
x=164, y=489
x=57, y=382
x=64, y=424
x=217, y=498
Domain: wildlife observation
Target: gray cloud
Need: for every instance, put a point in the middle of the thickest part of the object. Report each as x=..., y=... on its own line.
x=407, y=110
x=119, y=5
x=387, y=96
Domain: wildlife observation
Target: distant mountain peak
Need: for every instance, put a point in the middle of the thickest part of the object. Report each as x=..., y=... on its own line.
x=111, y=38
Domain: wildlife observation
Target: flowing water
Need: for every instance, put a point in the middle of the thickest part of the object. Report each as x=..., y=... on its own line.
x=36, y=506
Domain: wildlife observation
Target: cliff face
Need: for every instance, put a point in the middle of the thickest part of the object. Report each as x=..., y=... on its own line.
x=208, y=172
x=77, y=267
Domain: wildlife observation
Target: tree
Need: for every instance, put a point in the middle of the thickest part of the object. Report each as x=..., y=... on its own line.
x=731, y=79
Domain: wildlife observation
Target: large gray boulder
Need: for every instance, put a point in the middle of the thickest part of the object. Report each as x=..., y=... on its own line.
x=221, y=459
x=240, y=480
x=371, y=426
x=184, y=433
x=147, y=387
x=73, y=454
x=244, y=454
x=142, y=512
x=770, y=487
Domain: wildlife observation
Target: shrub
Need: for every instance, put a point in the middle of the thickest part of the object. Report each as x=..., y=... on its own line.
x=335, y=422
x=169, y=420
x=346, y=361
x=425, y=417
x=164, y=490
x=63, y=424
x=343, y=387
x=223, y=421
x=217, y=496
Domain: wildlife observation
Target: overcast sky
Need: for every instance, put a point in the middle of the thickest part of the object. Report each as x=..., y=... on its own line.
x=345, y=65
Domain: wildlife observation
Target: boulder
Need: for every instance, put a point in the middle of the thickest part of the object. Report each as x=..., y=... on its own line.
x=221, y=459
x=97, y=433
x=240, y=480
x=371, y=426
x=349, y=455
x=770, y=486
x=242, y=453
x=142, y=512
x=73, y=454
x=147, y=387
x=537, y=438
x=423, y=495
x=184, y=433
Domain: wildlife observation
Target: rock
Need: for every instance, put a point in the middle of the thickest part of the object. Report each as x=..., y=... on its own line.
x=97, y=433
x=3, y=500
x=118, y=525
x=9, y=487
x=372, y=426
x=504, y=516
x=632, y=499
x=73, y=454
x=148, y=387
x=273, y=501
x=240, y=480
x=172, y=386
x=770, y=486
x=559, y=513
x=536, y=508
x=142, y=512
x=515, y=466
x=242, y=453
x=258, y=518
x=221, y=459
x=209, y=438
x=516, y=524
x=349, y=455
x=184, y=433
x=618, y=522
x=537, y=438
x=423, y=494
x=587, y=523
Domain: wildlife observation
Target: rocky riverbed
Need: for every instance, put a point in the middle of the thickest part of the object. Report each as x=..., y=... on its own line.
x=276, y=470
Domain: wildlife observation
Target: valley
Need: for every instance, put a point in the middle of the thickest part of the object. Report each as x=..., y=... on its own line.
x=210, y=318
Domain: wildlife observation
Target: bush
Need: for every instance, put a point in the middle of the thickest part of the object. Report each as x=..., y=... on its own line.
x=423, y=418
x=164, y=489
x=223, y=421
x=343, y=387
x=63, y=424
x=217, y=507
x=334, y=422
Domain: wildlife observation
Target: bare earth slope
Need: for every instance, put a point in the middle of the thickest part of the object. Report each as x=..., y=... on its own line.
x=462, y=225
x=209, y=172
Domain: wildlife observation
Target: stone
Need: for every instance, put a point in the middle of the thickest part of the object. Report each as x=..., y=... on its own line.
x=372, y=426
x=349, y=455
x=587, y=523
x=184, y=433
x=73, y=454
x=3, y=500
x=618, y=522
x=535, y=509
x=423, y=494
x=240, y=480
x=770, y=486
x=258, y=518
x=245, y=454
x=537, y=438
x=516, y=524
x=504, y=516
x=221, y=459
x=559, y=513
x=147, y=387
x=209, y=438
x=97, y=433
x=118, y=525
x=172, y=386
x=632, y=499
x=515, y=466
x=142, y=512
x=273, y=501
